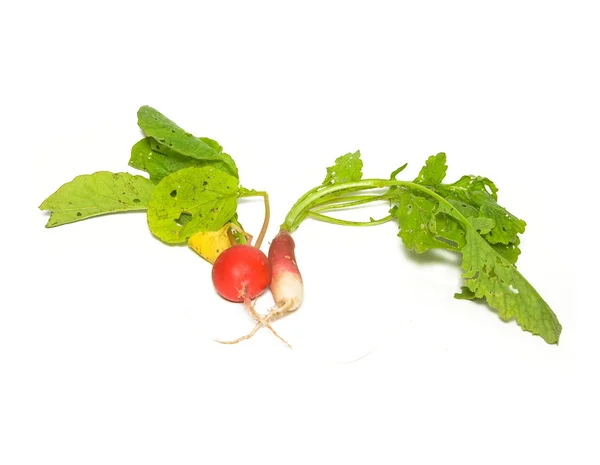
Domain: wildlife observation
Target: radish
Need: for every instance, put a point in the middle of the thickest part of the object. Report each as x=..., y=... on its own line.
x=241, y=272
x=286, y=284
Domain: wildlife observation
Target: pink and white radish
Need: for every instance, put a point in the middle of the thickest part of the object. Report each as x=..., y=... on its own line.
x=286, y=282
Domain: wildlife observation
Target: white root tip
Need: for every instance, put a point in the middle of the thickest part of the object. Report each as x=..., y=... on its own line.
x=288, y=290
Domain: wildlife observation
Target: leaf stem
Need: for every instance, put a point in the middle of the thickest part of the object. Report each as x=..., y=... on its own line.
x=265, y=225
x=347, y=202
x=329, y=219
x=313, y=197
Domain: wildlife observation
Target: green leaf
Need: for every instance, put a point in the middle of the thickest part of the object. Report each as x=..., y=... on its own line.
x=191, y=200
x=483, y=225
x=489, y=271
x=489, y=275
x=449, y=231
x=470, y=183
x=476, y=196
x=97, y=194
x=510, y=251
x=212, y=143
x=167, y=133
x=347, y=168
x=423, y=226
x=507, y=226
x=416, y=216
x=463, y=206
x=160, y=161
x=397, y=171
x=465, y=294
x=434, y=170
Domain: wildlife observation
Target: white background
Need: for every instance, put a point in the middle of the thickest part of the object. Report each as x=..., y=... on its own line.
x=106, y=335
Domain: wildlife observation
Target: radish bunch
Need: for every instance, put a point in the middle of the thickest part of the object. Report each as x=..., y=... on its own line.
x=191, y=197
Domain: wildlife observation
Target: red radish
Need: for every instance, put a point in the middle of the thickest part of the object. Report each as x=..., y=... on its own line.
x=241, y=272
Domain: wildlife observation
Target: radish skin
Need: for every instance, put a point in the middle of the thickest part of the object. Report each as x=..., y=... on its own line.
x=241, y=272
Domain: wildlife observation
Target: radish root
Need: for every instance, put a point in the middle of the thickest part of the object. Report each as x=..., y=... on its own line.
x=262, y=321
x=274, y=314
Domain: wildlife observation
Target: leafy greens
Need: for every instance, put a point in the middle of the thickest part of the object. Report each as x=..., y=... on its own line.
x=97, y=194
x=192, y=195
x=463, y=217
x=193, y=185
x=206, y=197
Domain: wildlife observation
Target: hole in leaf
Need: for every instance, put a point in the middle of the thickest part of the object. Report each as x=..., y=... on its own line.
x=447, y=241
x=78, y=213
x=183, y=219
x=173, y=193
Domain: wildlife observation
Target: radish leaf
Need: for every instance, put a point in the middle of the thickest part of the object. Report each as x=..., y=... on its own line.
x=477, y=196
x=489, y=270
x=419, y=224
x=434, y=170
x=159, y=161
x=473, y=197
x=347, y=168
x=166, y=132
x=510, y=251
x=97, y=194
x=488, y=274
x=191, y=200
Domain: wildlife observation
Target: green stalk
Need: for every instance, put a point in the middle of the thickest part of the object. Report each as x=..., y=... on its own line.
x=347, y=202
x=329, y=219
x=302, y=208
